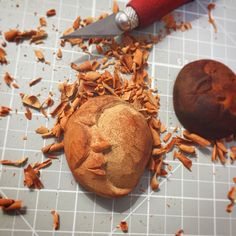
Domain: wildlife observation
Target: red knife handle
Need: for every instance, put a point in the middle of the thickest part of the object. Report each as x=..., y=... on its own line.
x=149, y=11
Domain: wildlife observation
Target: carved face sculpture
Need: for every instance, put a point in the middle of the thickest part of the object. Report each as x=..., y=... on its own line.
x=107, y=145
x=205, y=99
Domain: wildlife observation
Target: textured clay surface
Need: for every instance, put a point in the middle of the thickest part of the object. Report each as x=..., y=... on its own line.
x=205, y=99
x=107, y=145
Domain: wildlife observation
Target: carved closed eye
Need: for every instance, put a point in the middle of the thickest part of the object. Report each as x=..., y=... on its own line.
x=204, y=85
x=99, y=144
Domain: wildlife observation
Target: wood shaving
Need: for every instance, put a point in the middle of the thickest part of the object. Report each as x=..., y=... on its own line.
x=48, y=102
x=167, y=137
x=179, y=233
x=15, y=85
x=229, y=207
x=221, y=155
x=10, y=204
x=184, y=26
x=38, y=37
x=124, y=226
x=39, y=55
x=42, y=130
x=42, y=21
x=76, y=23
x=186, y=161
x=54, y=147
x=59, y=53
x=233, y=156
x=56, y=220
x=154, y=182
x=35, y=81
x=38, y=166
x=163, y=128
x=4, y=111
x=3, y=59
x=233, y=148
x=11, y=35
x=31, y=178
x=115, y=8
x=187, y=149
x=51, y=12
x=59, y=109
x=28, y=114
x=214, y=153
x=85, y=66
x=8, y=79
x=196, y=138
x=231, y=196
x=17, y=36
x=14, y=163
x=221, y=146
x=99, y=49
x=171, y=24
x=31, y=100
x=211, y=20
x=156, y=137
x=158, y=151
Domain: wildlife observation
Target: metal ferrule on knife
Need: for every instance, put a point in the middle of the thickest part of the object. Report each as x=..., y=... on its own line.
x=127, y=20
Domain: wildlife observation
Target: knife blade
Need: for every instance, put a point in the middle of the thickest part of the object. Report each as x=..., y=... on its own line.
x=106, y=27
x=138, y=13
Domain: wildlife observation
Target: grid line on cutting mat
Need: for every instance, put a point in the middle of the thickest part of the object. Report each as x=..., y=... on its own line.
x=167, y=115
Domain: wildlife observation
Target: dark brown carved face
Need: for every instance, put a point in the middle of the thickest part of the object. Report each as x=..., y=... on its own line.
x=205, y=99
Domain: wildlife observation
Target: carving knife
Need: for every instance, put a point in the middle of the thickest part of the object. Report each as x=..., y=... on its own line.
x=138, y=13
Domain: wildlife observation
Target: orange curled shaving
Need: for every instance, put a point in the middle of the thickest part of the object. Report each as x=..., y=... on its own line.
x=76, y=23
x=124, y=226
x=214, y=153
x=31, y=178
x=31, y=100
x=34, y=81
x=221, y=156
x=14, y=163
x=10, y=204
x=115, y=8
x=221, y=146
x=231, y=194
x=53, y=147
x=39, y=55
x=51, y=12
x=186, y=161
x=28, y=114
x=8, y=79
x=42, y=21
x=167, y=137
x=3, y=54
x=196, y=138
x=211, y=20
x=179, y=233
x=42, y=130
x=56, y=220
x=59, y=53
x=187, y=149
x=4, y=111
